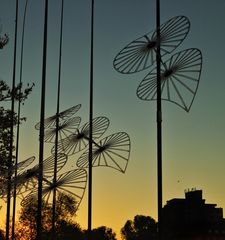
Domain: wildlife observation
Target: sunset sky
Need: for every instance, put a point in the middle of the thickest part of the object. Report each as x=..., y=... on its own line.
x=193, y=143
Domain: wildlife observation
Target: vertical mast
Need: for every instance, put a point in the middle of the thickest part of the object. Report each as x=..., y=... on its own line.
x=57, y=127
x=11, y=130
x=42, y=118
x=18, y=124
x=159, y=120
x=90, y=127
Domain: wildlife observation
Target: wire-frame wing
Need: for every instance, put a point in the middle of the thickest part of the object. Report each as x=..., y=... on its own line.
x=180, y=77
x=66, y=128
x=71, y=183
x=112, y=151
x=3, y=188
x=24, y=164
x=51, y=121
x=28, y=180
x=78, y=141
x=20, y=166
x=140, y=54
x=48, y=164
x=3, y=178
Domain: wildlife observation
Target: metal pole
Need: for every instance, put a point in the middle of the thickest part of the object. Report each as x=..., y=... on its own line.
x=18, y=126
x=10, y=161
x=90, y=127
x=57, y=128
x=159, y=121
x=41, y=132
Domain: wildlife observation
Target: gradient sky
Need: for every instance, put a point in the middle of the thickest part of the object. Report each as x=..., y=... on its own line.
x=193, y=143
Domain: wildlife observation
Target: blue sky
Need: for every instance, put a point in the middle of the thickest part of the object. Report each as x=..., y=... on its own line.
x=193, y=143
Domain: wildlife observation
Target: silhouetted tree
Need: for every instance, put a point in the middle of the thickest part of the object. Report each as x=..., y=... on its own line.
x=26, y=227
x=66, y=207
x=141, y=228
x=4, y=40
x=100, y=233
x=20, y=94
x=2, y=235
x=103, y=233
x=6, y=94
x=65, y=227
x=69, y=230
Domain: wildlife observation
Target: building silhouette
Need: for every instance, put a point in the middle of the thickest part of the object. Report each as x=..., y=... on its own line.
x=192, y=218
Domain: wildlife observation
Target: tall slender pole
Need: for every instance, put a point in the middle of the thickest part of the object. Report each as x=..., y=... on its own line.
x=159, y=121
x=41, y=132
x=90, y=127
x=18, y=125
x=57, y=128
x=11, y=130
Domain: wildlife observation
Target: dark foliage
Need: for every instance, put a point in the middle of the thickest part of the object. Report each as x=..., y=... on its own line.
x=2, y=236
x=65, y=227
x=69, y=230
x=4, y=40
x=6, y=118
x=141, y=228
x=103, y=233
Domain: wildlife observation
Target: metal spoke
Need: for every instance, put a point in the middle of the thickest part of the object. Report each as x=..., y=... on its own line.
x=182, y=74
x=66, y=128
x=20, y=166
x=78, y=141
x=138, y=55
x=27, y=180
x=51, y=121
x=71, y=183
x=3, y=183
x=112, y=151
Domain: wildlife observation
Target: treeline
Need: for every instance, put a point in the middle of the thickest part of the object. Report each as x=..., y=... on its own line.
x=140, y=228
